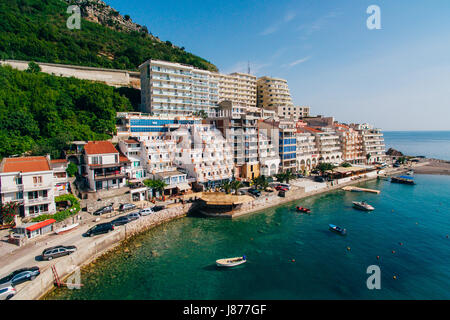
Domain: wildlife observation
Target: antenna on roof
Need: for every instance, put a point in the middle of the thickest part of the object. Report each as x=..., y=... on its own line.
x=248, y=69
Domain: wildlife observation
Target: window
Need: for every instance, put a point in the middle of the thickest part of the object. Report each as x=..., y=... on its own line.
x=37, y=179
x=19, y=180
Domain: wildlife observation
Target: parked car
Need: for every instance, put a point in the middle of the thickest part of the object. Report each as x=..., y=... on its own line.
x=103, y=210
x=158, y=208
x=7, y=291
x=121, y=221
x=396, y=165
x=127, y=206
x=134, y=215
x=319, y=179
x=254, y=192
x=282, y=193
x=146, y=211
x=281, y=188
x=21, y=275
x=100, y=228
x=300, y=176
x=285, y=185
x=58, y=251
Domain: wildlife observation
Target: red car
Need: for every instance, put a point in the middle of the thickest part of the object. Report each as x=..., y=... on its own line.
x=280, y=188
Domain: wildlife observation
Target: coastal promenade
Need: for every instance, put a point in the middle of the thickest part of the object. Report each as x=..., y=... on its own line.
x=91, y=248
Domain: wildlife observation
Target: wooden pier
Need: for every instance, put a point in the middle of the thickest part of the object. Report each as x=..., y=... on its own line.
x=358, y=189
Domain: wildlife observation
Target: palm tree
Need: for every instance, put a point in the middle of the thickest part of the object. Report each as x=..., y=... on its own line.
x=324, y=166
x=235, y=185
x=227, y=186
x=288, y=176
x=280, y=177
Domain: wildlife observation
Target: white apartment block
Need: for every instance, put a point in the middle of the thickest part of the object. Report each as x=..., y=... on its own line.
x=174, y=88
x=374, y=148
x=328, y=144
x=351, y=144
x=203, y=153
x=307, y=152
x=60, y=177
x=239, y=88
x=135, y=152
x=268, y=157
x=273, y=93
x=30, y=182
x=293, y=112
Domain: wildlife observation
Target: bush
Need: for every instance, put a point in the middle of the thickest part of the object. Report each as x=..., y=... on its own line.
x=72, y=169
x=62, y=215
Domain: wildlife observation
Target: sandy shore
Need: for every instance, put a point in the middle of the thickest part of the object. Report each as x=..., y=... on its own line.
x=434, y=166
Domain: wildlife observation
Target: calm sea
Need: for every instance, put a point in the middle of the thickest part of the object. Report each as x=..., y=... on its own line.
x=432, y=144
x=291, y=255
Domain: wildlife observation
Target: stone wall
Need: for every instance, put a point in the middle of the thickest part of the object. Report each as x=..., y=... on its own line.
x=93, y=248
x=112, y=77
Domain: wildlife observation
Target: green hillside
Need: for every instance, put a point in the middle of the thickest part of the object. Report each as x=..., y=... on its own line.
x=36, y=30
x=42, y=113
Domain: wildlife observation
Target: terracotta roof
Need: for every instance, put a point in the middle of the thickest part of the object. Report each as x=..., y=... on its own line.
x=99, y=147
x=311, y=129
x=25, y=164
x=123, y=158
x=131, y=141
x=58, y=161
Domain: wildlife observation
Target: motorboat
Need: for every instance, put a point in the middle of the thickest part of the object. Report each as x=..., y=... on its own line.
x=231, y=262
x=337, y=229
x=410, y=173
x=66, y=228
x=403, y=179
x=305, y=210
x=363, y=206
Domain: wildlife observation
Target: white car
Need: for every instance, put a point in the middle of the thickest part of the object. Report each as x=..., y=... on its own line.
x=7, y=291
x=146, y=211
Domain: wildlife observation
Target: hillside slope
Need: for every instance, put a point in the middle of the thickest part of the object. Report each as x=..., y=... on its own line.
x=40, y=113
x=36, y=30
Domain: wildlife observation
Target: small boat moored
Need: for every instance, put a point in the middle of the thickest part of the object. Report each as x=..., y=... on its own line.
x=403, y=179
x=363, y=206
x=337, y=229
x=231, y=262
x=66, y=228
x=410, y=173
x=305, y=210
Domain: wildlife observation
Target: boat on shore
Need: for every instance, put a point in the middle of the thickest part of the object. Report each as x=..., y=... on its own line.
x=231, y=262
x=403, y=179
x=337, y=229
x=363, y=206
x=67, y=228
x=301, y=209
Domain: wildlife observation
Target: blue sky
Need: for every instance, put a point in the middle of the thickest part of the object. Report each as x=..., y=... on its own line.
x=397, y=78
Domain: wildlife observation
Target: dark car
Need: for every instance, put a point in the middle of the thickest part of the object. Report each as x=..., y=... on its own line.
x=58, y=251
x=127, y=206
x=319, y=179
x=21, y=275
x=103, y=210
x=281, y=188
x=158, y=208
x=100, y=228
x=396, y=165
x=121, y=221
x=254, y=192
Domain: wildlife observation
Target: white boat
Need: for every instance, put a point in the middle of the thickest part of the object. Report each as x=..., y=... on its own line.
x=66, y=228
x=363, y=206
x=231, y=262
x=410, y=172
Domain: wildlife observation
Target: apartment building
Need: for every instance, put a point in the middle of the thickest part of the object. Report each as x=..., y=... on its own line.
x=175, y=88
x=203, y=153
x=328, y=144
x=30, y=182
x=351, y=144
x=307, y=152
x=103, y=166
x=268, y=157
x=293, y=112
x=134, y=150
x=273, y=93
x=60, y=177
x=374, y=148
x=239, y=88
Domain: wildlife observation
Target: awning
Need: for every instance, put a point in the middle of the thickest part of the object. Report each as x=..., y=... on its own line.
x=41, y=224
x=183, y=186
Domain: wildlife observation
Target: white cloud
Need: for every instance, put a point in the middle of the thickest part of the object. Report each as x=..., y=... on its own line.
x=274, y=27
x=296, y=62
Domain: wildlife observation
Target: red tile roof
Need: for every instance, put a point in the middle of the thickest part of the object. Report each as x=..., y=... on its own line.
x=131, y=141
x=123, y=158
x=99, y=147
x=25, y=164
x=58, y=161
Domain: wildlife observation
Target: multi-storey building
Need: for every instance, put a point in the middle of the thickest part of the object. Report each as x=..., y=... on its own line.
x=134, y=150
x=60, y=178
x=174, y=88
x=307, y=152
x=239, y=88
x=351, y=144
x=273, y=93
x=328, y=144
x=269, y=160
x=30, y=182
x=293, y=112
x=203, y=153
x=103, y=166
x=374, y=149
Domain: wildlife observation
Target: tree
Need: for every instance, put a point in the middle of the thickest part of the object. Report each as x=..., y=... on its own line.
x=325, y=166
x=72, y=169
x=33, y=67
x=158, y=185
x=346, y=165
x=288, y=176
x=227, y=186
x=8, y=211
x=280, y=177
x=235, y=185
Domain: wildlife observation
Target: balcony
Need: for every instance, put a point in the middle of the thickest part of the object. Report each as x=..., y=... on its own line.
x=37, y=201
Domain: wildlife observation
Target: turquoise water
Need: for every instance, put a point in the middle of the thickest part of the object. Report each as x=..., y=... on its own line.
x=432, y=144
x=177, y=260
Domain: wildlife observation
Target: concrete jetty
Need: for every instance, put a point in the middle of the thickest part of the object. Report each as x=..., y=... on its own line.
x=356, y=189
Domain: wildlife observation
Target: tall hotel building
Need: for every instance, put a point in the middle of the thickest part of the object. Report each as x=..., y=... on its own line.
x=239, y=88
x=174, y=88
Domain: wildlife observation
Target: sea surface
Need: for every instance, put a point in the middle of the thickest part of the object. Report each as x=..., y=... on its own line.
x=432, y=144
x=291, y=255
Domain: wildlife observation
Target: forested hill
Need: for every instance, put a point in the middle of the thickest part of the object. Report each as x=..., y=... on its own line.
x=36, y=30
x=41, y=113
